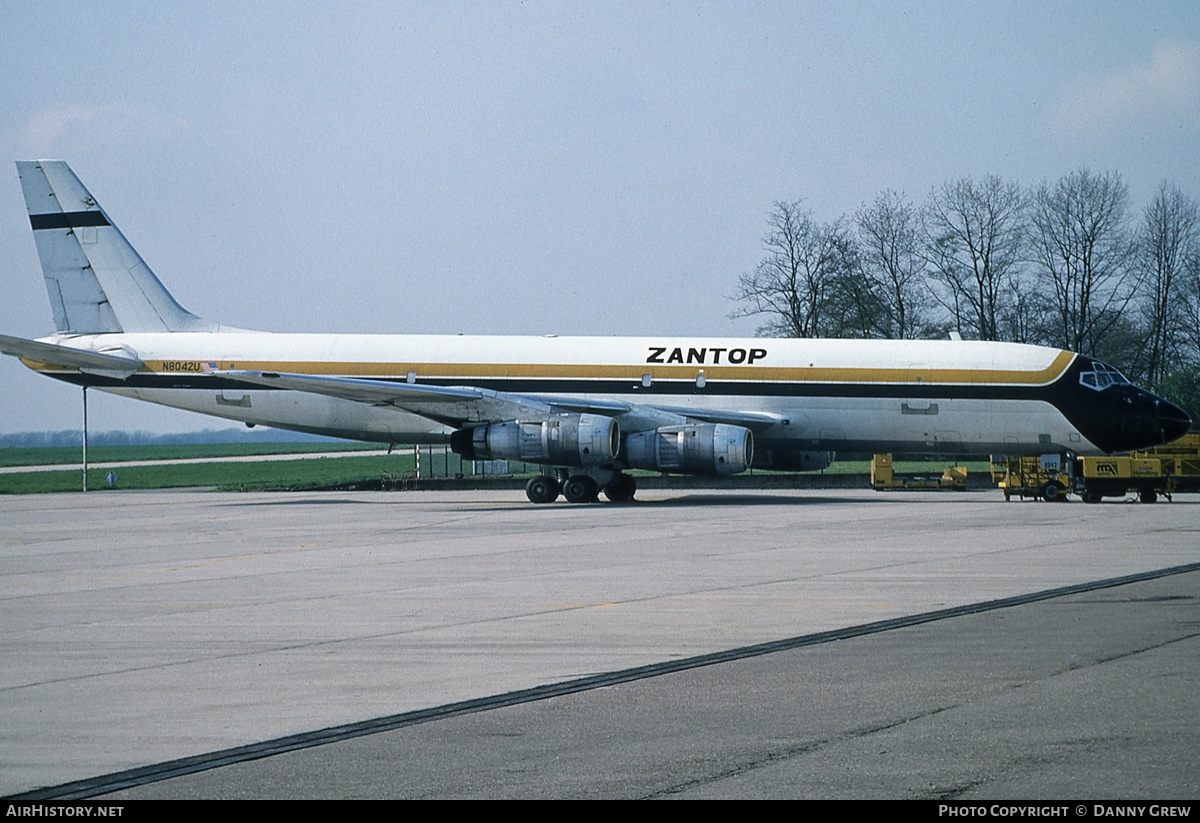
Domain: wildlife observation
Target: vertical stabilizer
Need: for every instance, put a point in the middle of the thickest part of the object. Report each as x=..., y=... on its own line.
x=96, y=281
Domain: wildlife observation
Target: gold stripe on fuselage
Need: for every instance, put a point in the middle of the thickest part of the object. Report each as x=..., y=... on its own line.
x=782, y=374
x=634, y=372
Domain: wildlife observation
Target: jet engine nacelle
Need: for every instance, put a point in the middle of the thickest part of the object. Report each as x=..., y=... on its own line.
x=558, y=440
x=701, y=448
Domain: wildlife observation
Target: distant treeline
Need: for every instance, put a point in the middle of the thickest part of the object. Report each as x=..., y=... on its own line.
x=74, y=437
x=1071, y=263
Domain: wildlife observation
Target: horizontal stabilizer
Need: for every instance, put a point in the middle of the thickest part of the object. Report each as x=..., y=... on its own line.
x=52, y=354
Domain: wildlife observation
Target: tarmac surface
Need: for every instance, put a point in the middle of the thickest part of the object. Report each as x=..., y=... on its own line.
x=145, y=627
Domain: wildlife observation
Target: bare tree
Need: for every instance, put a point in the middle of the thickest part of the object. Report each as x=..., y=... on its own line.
x=1191, y=308
x=1181, y=385
x=1023, y=314
x=858, y=304
x=797, y=284
x=1084, y=254
x=1169, y=243
x=893, y=294
x=973, y=233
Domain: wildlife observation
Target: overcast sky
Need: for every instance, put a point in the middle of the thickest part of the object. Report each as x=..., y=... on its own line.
x=536, y=167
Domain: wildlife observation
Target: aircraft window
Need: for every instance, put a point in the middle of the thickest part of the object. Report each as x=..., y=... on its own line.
x=1116, y=376
x=1101, y=376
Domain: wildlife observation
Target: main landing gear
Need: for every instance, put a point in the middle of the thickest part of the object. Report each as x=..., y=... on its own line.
x=542, y=489
x=622, y=489
x=581, y=488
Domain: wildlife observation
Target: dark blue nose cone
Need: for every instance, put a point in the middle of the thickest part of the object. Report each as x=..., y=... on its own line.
x=1125, y=418
x=1173, y=421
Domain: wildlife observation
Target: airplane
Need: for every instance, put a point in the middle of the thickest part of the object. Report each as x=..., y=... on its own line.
x=587, y=409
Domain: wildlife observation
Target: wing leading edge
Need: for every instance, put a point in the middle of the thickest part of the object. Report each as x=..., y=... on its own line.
x=460, y=406
x=455, y=406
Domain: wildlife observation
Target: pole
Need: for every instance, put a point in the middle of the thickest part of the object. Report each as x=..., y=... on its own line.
x=85, y=488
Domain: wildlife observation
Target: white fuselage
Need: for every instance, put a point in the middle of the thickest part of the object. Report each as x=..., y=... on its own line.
x=855, y=395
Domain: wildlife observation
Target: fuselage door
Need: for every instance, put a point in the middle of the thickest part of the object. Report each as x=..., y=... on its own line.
x=231, y=394
x=918, y=402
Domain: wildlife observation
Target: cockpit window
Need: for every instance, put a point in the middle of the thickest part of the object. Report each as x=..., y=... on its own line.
x=1101, y=376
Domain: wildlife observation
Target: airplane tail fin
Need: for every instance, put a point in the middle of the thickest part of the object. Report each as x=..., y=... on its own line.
x=96, y=281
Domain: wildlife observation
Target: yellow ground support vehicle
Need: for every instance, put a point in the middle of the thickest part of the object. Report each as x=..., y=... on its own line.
x=1165, y=470
x=884, y=478
x=1046, y=477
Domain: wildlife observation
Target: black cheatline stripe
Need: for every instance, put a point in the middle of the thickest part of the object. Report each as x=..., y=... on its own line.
x=616, y=388
x=67, y=220
x=95, y=786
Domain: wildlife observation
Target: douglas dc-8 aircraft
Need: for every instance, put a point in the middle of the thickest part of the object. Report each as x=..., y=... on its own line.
x=586, y=408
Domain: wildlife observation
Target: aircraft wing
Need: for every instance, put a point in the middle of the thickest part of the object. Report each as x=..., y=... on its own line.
x=460, y=405
x=51, y=354
x=755, y=421
x=451, y=405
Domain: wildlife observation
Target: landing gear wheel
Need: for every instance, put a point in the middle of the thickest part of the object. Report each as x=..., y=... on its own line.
x=1091, y=497
x=1054, y=492
x=579, y=488
x=1148, y=496
x=542, y=489
x=622, y=489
